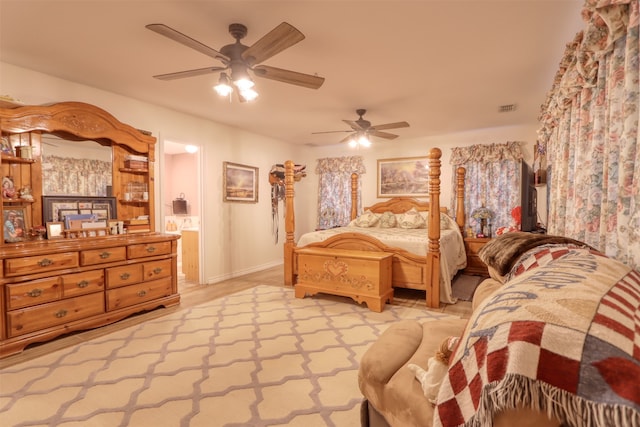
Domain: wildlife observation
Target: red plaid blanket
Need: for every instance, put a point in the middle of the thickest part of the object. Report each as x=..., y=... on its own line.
x=562, y=336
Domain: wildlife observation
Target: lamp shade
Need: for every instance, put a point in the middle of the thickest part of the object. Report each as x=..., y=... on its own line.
x=482, y=213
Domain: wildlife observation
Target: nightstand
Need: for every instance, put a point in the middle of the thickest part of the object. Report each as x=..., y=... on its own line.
x=472, y=246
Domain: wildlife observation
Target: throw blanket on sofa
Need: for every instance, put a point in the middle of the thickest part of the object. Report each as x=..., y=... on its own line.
x=562, y=336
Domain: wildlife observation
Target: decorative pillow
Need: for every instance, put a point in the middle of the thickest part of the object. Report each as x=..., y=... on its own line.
x=367, y=219
x=388, y=220
x=446, y=222
x=412, y=219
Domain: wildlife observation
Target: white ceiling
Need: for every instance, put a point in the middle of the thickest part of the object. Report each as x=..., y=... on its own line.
x=443, y=66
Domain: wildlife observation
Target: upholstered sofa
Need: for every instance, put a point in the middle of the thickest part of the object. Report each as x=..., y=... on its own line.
x=544, y=346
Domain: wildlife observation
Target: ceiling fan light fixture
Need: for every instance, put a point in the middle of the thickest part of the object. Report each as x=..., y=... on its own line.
x=353, y=143
x=243, y=83
x=364, y=141
x=223, y=88
x=248, y=94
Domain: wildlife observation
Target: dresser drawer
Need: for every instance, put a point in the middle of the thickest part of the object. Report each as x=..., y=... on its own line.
x=82, y=283
x=33, y=292
x=156, y=269
x=123, y=276
x=136, y=294
x=31, y=319
x=39, y=264
x=148, y=249
x=101, y=256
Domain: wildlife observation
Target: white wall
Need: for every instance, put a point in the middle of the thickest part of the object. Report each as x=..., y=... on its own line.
x=237, y=237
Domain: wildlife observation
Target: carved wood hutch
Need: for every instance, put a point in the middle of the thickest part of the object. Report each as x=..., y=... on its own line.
x=50, y=287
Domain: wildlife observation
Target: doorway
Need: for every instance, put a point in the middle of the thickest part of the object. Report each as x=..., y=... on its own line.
x=181, y=207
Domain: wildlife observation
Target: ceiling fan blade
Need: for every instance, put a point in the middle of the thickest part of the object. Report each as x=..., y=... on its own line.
x=391, y=126
x=275, y=41
x=332, y=131
x=354, y=124
x=189, y=73
x=287, y=76
x=384, y=135
x=187, y=41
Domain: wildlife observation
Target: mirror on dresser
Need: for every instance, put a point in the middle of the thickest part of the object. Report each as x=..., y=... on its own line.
x=75, y=167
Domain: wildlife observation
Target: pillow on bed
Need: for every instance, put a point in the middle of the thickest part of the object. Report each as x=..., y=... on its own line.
x=446, y=222
x=388, y=220
x=411, y=219
x=367, y=219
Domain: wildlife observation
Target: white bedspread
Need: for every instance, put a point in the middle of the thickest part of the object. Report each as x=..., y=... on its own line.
x=452, y=259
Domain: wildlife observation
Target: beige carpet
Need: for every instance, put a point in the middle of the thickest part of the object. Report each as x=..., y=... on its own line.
x=256, y=358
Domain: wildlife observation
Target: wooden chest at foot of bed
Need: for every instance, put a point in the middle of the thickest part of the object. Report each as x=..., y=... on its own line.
x=362, y=275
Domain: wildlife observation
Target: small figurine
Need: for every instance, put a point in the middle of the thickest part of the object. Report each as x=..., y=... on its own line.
x=25, y=193
x=8, y=190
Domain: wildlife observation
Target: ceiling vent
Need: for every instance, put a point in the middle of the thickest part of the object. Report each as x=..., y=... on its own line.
x=507, y=108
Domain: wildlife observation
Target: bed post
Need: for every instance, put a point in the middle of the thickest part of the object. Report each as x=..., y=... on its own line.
x=460, y=220
x=433, y=250
x=289, y=223
x=354, y=196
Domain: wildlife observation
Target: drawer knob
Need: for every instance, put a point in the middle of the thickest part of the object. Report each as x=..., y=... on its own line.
x=61, y=313
x=83, y=284
x=151, y=249
x=157, y=270
x=35, y=292
x=45, y=262
x=105, y=255
x=125, y=276
x=142, y=293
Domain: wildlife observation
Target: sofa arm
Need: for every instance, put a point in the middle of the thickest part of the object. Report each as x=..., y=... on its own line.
x=387, y=383
x=390, y=352
x=483, y=291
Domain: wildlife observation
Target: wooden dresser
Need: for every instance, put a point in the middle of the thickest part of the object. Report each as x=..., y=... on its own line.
x=475, y=266
x=56, y=287
x=77, y=278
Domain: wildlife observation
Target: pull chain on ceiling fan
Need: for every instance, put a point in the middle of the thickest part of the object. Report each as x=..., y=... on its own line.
x=239, y=59
x=362, y=130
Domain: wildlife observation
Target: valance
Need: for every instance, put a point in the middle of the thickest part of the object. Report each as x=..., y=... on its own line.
x=349, y=164
x=486, y=153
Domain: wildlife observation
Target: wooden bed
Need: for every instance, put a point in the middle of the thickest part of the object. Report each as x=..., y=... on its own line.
x=408, y=270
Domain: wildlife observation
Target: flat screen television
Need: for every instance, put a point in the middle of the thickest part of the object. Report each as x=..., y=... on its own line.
x=528, y=199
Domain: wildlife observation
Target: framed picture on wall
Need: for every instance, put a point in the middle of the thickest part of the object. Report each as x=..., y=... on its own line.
x=240, y=183
x=406, y=176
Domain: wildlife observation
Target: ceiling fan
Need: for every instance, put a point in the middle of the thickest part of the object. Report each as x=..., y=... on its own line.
x=362, y=129
x=239, y=58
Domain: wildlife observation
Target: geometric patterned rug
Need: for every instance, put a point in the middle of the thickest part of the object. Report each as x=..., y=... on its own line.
x=260, y=357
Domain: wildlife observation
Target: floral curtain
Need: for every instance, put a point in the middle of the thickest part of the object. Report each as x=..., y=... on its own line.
x=334, y=189
x=589, y=132
x=81, y=177
x=492, y=180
